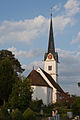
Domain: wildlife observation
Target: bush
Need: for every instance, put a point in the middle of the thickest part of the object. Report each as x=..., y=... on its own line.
x=2, y=117
x=76, y=106
x=29, y=114
x=4, y=114
x=16, y=115
x=48, y=110
x=35, y=105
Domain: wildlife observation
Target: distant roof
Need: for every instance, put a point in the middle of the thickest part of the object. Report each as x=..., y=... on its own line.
x=56, y=85
x=36, y=79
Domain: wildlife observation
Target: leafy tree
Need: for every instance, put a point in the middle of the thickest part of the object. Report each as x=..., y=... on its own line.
x=78, y=84
x=4, y=115
x=76, y=106
x=16, y=115
x=16, y=64
x=21, y=95
x=9, y=67
x=64, y=99
x=35, y=105
x=7, y=79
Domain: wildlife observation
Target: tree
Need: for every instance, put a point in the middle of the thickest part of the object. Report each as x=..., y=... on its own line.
x=4, y=115
x=35, y=105
x=16, y=115
x=16, y=64
x=7, y=79
x=78, y=84
x=64, y=99
x=21, y=95
x=76, y=106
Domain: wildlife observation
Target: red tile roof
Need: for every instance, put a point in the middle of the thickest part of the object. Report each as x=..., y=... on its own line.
x=37, y=80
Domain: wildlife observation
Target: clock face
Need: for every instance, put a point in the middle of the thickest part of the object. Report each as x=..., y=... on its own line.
x=49, y=56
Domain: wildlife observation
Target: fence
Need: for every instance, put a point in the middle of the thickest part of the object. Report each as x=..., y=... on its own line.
x=56, y=117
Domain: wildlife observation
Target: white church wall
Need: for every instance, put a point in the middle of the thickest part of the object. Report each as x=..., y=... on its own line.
x=40, y=92
x=49, y=95
x=52, y=72
x=57, y=72
x=54, y=97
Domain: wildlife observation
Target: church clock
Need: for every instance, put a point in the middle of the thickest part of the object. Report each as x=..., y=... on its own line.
x=50, y=56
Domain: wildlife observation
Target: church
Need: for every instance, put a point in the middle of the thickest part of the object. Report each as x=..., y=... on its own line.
x=44, y=82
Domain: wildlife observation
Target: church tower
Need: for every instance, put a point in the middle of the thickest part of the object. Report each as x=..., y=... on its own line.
x=51, y=60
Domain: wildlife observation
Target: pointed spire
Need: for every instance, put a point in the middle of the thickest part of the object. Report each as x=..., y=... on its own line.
x=51, y=48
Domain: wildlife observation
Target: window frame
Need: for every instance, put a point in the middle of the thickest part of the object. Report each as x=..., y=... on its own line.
x=50, y=67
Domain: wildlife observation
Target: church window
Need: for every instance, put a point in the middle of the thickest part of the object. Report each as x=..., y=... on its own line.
x=49, y=67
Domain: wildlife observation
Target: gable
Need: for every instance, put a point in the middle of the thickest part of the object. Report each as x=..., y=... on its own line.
x=36, y=79
x=51, y=80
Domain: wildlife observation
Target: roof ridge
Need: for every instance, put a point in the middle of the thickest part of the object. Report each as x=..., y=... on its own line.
x=52, y=81
x=39, y=80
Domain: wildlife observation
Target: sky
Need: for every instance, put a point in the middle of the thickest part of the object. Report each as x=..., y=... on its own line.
x=24, y=30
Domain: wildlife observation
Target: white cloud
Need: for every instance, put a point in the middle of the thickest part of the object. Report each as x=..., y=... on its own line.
x=33, y=53
x=23, y=31
x=57, y=7
x=60, y=22
x=34, y=65
x=25, y=55
x=71, y=87
x=69, y=71
x=72, y=7
x=30, y=29
x=70, y=63
x=77, y=39
x=12, y=49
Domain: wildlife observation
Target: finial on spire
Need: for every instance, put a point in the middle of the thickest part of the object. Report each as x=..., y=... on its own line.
x=51, y=11
x=33, y=67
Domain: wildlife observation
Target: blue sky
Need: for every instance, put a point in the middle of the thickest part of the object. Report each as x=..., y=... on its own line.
x=24, y=29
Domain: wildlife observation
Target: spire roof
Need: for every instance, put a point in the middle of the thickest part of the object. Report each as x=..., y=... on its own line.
x=51, y=47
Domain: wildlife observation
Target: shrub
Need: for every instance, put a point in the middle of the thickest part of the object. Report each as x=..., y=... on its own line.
x=16, y=115
x=4, y=114
x=2, y=117
x=29, y=114
x=35, y=105
x=76, y=106
x=48, y=110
